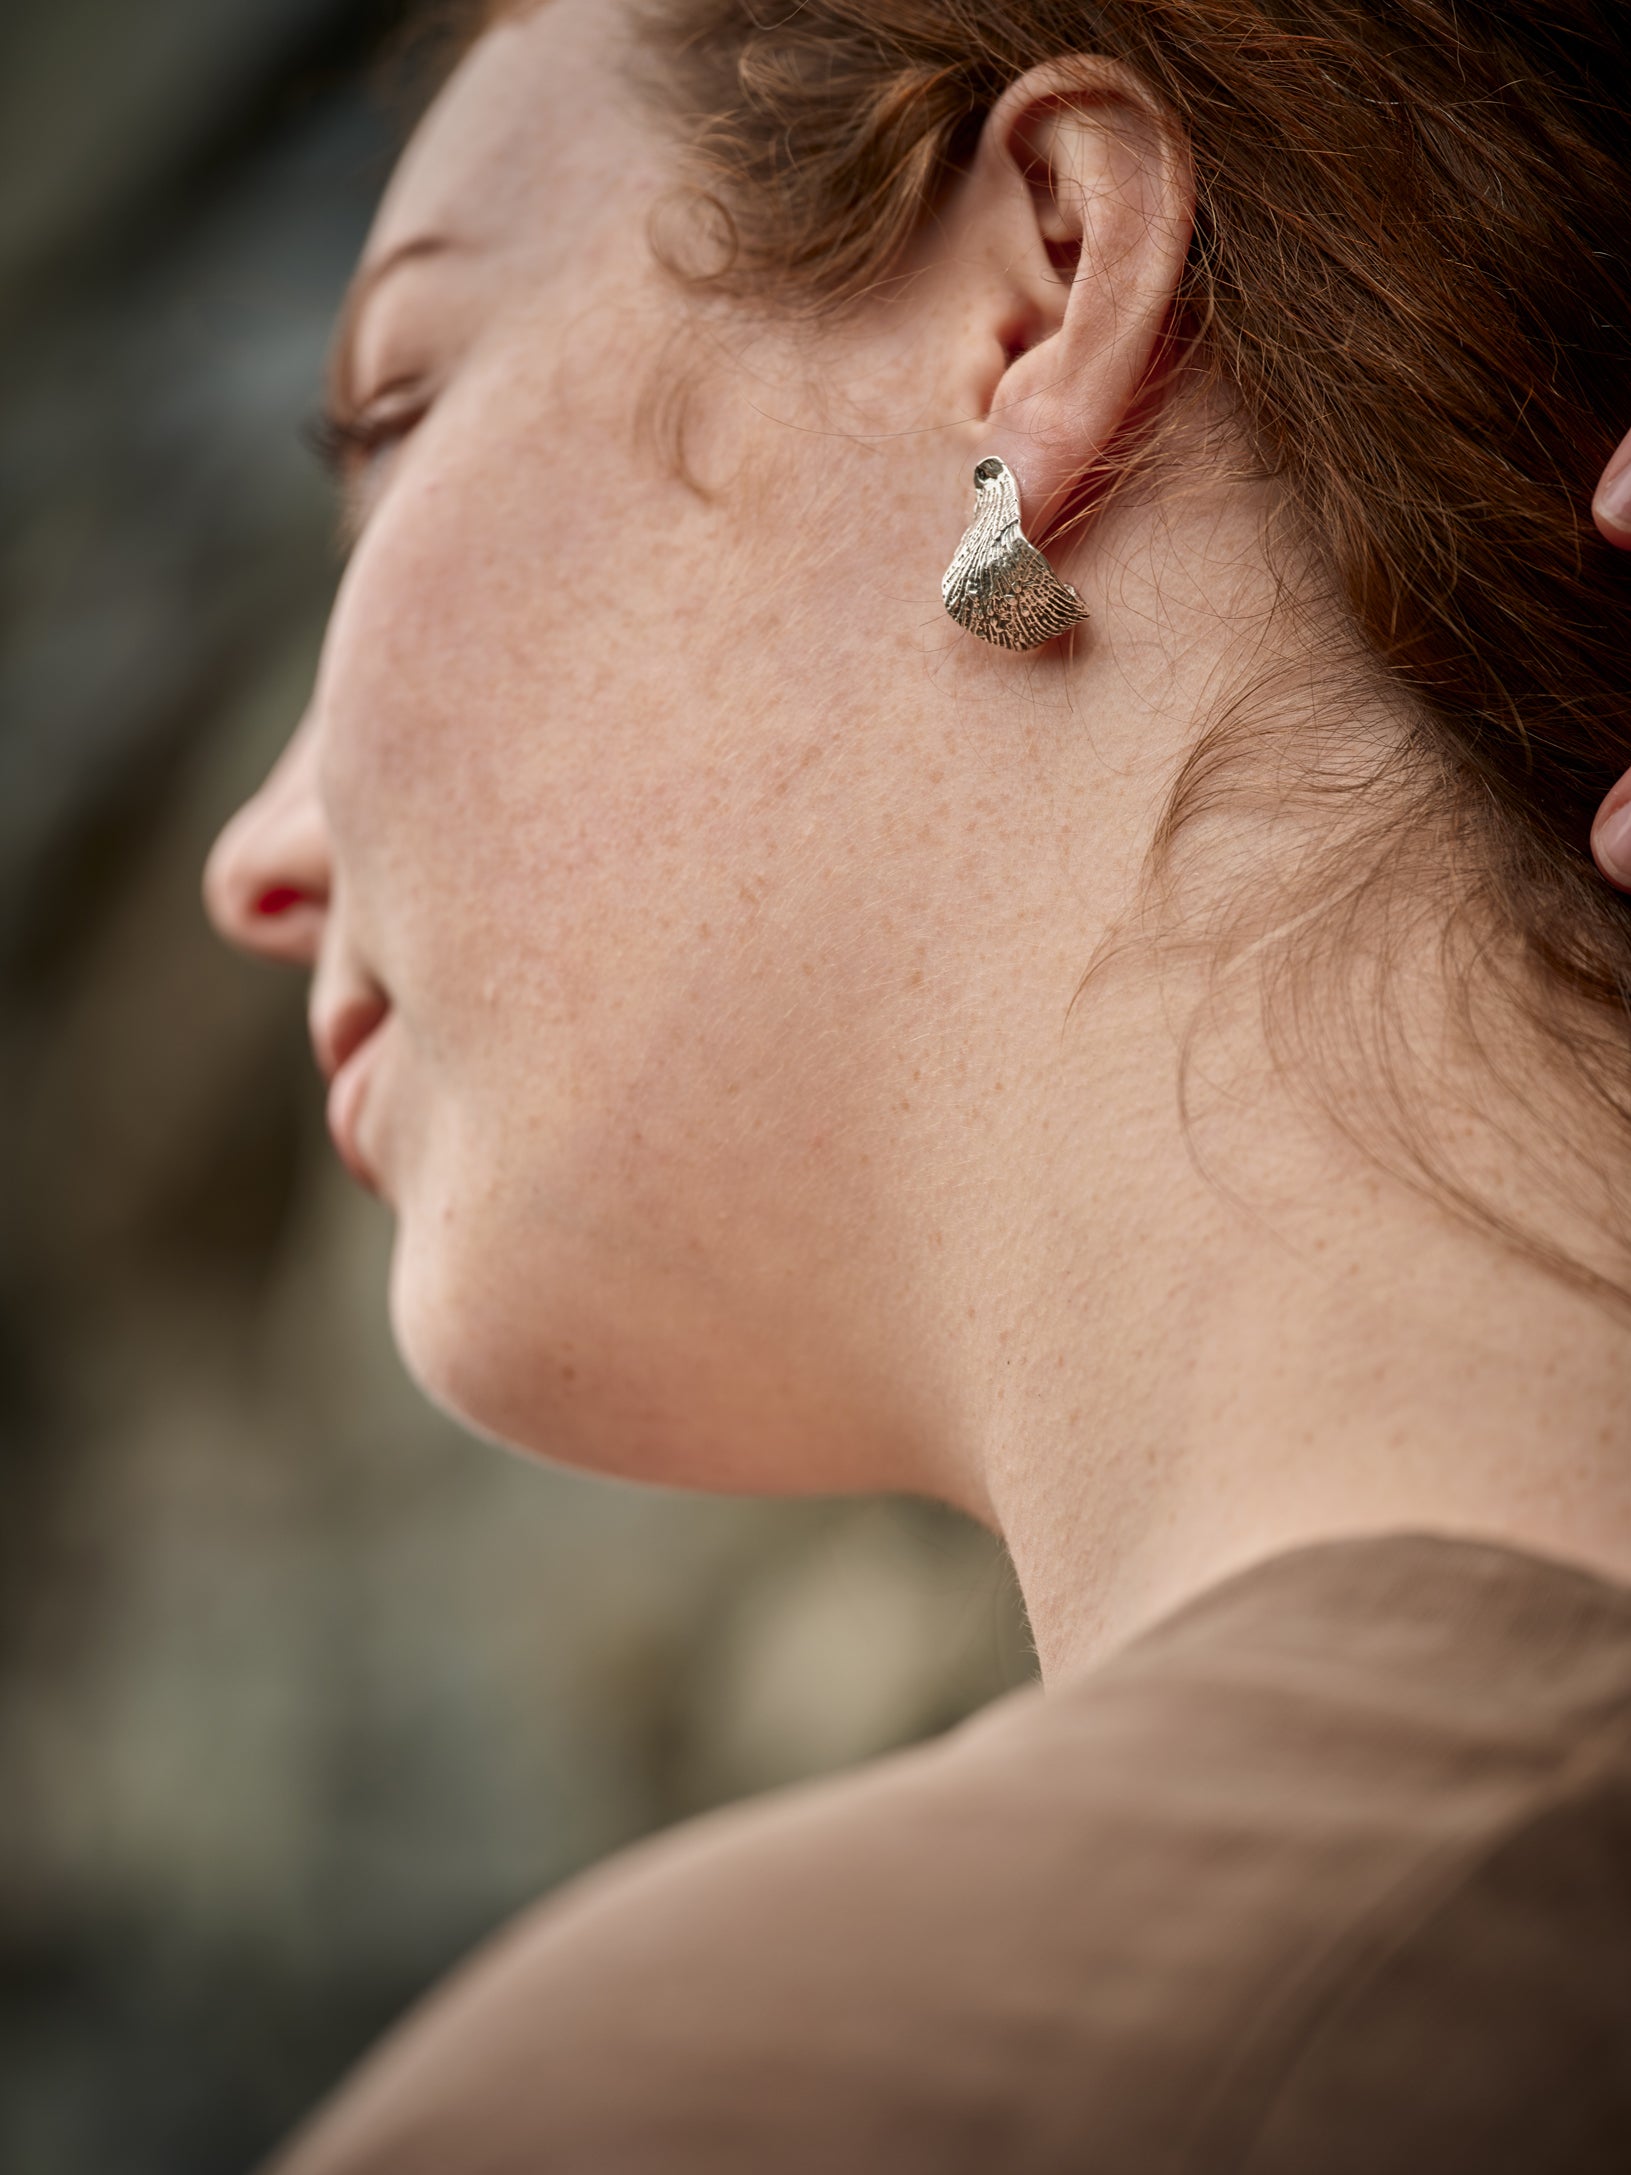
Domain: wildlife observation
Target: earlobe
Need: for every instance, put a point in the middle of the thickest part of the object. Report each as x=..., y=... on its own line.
x=1087, y=182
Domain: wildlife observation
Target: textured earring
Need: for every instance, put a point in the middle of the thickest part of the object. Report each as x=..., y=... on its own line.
x=999, y=586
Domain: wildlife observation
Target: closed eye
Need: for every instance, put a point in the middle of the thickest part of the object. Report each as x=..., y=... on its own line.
x=351, y=446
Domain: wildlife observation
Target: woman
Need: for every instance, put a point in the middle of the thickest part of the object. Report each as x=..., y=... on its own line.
x=1162, y=1089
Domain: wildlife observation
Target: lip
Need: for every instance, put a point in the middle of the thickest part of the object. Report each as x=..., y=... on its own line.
x=347, y=1095
x=345, y=1038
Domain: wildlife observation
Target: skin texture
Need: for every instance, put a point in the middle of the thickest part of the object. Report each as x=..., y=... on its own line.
x=720, y=913
x=1611, y=833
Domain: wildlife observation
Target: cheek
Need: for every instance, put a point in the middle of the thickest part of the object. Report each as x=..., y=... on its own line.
x=592, y=833
x=570, y=759
x=493, y=709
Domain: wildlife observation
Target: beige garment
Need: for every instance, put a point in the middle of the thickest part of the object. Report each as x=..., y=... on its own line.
x=1329, y=1872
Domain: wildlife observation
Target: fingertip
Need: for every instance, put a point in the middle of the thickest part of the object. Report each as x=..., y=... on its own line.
x=1611, y=838
x=1611, y=505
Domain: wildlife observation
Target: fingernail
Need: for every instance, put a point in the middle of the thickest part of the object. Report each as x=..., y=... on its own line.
x=1611, y=843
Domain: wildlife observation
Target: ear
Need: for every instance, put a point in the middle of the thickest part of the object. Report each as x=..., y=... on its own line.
x=1071, y=230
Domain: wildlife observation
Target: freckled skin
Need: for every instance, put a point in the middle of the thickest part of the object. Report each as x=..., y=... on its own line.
x=722, y=915
x=623, y=792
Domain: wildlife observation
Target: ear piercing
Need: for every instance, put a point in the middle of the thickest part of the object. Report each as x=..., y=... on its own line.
x=999, y=586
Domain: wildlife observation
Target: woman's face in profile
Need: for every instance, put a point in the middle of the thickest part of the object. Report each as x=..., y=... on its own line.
x=613, y=833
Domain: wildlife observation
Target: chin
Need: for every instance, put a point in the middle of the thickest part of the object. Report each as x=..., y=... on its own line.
x=537, y=1356
x=469, y=1347
x=538, y=1311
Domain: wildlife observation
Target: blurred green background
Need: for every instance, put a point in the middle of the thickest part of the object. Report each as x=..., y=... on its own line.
x=301, y=1691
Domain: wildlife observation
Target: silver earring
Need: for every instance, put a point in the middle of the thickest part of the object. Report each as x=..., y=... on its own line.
x=999, y=586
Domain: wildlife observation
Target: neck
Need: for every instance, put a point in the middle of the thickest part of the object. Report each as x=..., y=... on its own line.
x=1179, y=1341
x=1245, y=1383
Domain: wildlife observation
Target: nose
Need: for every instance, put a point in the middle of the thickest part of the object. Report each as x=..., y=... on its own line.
x=266, y=884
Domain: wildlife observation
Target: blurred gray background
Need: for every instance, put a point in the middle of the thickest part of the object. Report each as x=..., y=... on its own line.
x=301, y=1692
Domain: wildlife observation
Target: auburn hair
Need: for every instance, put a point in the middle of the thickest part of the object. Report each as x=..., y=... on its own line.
x=1410, y=274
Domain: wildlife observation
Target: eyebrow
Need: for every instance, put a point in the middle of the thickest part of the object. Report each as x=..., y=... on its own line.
x=342, y=355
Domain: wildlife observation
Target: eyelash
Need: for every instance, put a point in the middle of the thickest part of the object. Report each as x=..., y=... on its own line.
x=344, y=442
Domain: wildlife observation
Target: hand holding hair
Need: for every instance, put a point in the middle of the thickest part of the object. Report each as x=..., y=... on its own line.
x=1611, y=833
